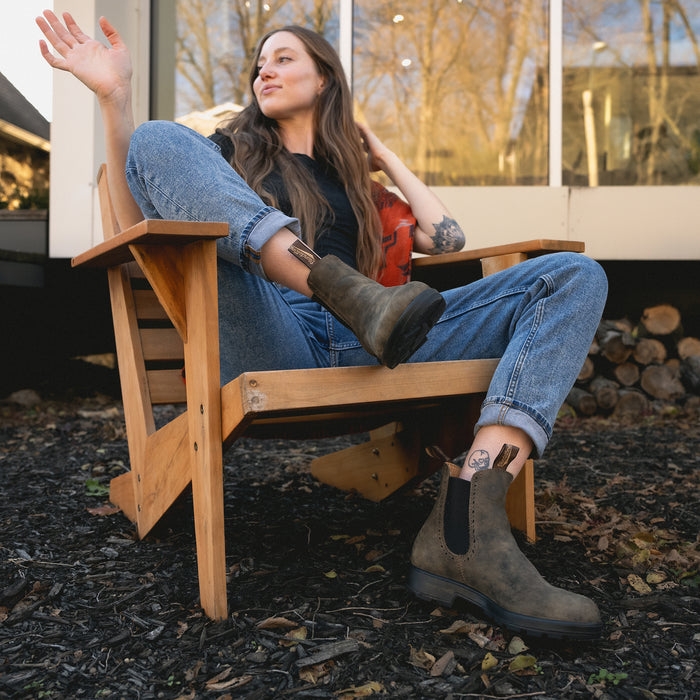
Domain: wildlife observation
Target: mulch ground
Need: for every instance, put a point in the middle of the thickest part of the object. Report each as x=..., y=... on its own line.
x=317, y=597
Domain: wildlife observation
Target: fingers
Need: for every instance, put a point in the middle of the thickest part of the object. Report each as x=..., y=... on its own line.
x=48, y=56
x=61, y=37
x=74, y=29
x=111, y=34
x=48, y=32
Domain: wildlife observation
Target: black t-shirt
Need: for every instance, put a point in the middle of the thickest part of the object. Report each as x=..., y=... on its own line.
x=337, y=234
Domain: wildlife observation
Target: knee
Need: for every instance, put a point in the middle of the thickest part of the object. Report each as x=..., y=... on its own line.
x=595, y=274
x=152, y=138
x=588, y=276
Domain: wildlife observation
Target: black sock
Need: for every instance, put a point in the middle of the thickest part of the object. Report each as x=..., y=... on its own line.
x=457, y=515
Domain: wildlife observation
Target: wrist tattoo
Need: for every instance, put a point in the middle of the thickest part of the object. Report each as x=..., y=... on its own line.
x=507, y=454
x=448, y=236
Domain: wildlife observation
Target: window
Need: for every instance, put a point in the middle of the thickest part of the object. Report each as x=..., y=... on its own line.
x=203, y=49
x=631, y=95
x=458, y=89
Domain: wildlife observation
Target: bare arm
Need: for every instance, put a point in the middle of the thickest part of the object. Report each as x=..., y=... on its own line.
x=436, y=232
x=107, y=72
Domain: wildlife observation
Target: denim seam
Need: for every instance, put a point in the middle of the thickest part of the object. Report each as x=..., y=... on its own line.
x=486, y=302
x=536, y=323
x=149, y=184
x=335, y=348
x=507, y=402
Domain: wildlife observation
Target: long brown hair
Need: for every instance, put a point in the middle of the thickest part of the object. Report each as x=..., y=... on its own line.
x=258, y=150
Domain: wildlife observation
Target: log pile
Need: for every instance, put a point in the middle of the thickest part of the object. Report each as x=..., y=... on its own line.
x=634, y=369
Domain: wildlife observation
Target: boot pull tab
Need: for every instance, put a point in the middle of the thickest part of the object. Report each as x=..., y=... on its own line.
x=507, y=454
x=436, y=452
x=302, y=252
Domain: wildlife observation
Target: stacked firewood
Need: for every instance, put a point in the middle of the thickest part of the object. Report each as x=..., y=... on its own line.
x=632, y=369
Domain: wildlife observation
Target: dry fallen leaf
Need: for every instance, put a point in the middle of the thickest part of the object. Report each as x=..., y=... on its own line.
x=517, y=646
x=488, y=662
x=313, y=674
x=106, y=509
x=231, y=684
x=275, y=623
x=421, y=659
x=444, y=665
x=221, y=676
x=375, y=569
x=458, y=627
x=479, y=639
x=655, y=577
x=522, y=662
x=293, y=636
x=361, y=691
x=638, y=584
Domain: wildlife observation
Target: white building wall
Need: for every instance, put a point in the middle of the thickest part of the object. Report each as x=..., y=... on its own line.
x=77, y=142
x=616, y=223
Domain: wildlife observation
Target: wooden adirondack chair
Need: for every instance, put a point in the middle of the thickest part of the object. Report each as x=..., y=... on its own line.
x=406, y=409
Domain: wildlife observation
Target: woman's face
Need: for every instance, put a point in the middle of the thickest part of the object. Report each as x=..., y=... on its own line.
x=288, y=82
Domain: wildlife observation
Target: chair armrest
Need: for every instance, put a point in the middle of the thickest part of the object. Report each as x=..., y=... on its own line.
x=453, y=269
x=117, y=250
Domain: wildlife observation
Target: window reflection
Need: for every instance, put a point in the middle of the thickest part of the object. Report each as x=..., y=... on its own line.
x=203, y=50
x=458, y=89
x=631, y=113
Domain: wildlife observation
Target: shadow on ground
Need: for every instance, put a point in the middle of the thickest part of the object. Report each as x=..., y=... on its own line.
x=317, y=597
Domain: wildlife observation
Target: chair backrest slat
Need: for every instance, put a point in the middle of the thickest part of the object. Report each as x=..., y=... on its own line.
x=148, y=307
x=161, y=345
x=159, y=341
x=166, y=386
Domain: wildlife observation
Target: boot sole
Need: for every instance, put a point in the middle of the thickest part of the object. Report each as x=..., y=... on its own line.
x=444, y=591
x=412, y=328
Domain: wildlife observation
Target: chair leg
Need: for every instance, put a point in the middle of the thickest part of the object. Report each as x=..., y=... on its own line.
x=204, y=424
x=520, y=501
x=121, y=494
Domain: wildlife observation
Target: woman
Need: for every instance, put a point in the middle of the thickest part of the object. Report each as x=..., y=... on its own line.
x=304, y=159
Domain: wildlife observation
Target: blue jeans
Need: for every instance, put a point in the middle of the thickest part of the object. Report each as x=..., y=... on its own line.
x=539, y=317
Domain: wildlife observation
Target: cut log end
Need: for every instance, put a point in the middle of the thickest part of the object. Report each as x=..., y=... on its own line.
x=663, y=319
x=660, y=382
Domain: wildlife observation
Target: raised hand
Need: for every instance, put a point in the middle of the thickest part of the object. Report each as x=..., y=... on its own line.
x=104, y=70
x=375, y=149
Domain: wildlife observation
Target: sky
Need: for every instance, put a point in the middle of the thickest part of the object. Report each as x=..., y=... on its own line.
x=20, y=60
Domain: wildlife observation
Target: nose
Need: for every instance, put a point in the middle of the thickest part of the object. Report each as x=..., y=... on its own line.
x=265, y=70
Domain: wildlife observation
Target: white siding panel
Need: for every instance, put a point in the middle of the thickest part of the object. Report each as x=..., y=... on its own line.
x=497, y=215
x=637, y=223
x=77, y=142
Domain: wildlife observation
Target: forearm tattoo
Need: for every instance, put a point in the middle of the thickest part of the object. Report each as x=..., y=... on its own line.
x=448, y=236
x=479, y=460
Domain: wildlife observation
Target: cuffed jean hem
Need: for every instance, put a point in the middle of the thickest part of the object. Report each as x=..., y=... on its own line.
x=257, y=232
x=503, y=411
